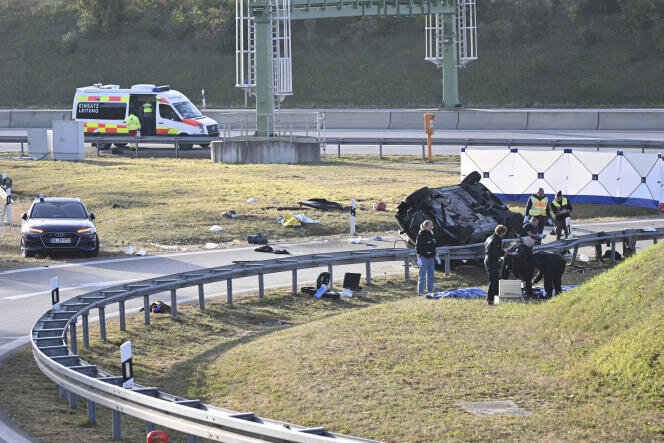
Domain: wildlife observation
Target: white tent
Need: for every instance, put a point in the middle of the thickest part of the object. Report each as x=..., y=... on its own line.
x=584, y=176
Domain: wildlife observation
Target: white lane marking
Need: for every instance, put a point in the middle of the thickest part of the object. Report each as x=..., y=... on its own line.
x=86, y=285
x=147, y=257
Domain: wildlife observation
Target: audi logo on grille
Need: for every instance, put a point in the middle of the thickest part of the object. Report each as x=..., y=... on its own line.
x=60, y=234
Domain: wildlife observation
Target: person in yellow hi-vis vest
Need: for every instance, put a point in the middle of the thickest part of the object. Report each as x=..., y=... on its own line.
x=134, y=127
x=538, y=207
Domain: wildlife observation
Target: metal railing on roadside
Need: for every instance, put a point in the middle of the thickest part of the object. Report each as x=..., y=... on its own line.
x=55, y=346
x=596, y=144
x=22, y=139
x=99, y=140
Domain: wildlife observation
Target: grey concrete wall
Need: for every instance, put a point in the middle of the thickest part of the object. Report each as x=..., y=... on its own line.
x=377, y=119
x=584, y=120
x=36, y=118
x=492, y=119
x=260, y=150
x=631, y=120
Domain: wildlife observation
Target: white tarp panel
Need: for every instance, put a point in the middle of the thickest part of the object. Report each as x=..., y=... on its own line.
x=583, y=176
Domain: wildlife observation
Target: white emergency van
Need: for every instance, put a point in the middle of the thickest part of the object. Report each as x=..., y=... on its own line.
x=161, y=110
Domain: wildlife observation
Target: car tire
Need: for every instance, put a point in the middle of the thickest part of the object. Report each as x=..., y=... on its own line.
x=24, y=251
x=103, y=146
x=185, y=146
x=95, y=251
x=120, y=145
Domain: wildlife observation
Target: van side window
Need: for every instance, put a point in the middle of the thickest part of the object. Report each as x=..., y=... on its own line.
x=101, y=111
x=165, y=111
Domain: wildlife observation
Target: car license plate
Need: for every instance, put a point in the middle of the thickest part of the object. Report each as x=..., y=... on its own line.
x=61, y=240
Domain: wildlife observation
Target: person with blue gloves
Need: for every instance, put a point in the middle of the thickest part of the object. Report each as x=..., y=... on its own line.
x=425, y=246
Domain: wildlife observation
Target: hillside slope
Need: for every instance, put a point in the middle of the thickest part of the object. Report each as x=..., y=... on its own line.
x=532, y=53
x=589, y=365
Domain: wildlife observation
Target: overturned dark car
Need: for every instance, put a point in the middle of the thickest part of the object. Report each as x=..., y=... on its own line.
x=462, y=214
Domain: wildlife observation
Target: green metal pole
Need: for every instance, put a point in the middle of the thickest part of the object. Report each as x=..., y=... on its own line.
x=264, y=99
x=450, y=62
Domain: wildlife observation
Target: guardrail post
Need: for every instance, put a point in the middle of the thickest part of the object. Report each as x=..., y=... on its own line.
x=613, y=251
x=448, y=270
x=63, y=394
x=294, y=285
x=92, y=412
x=654, y=239
x=191, y=439
x=330, y=270
x=102, y=323
x=73, y=400
x=406, y=268
x=229, y=291
x=146, y=309
x=424, y=157
x=72, y=337
x=86, y=332
x=177, y=147
x=201, y=297
x=261, y=286
x=117, y=425
x=367, y=267
x=574, y=254
x=149, y=427
x=174, y=303
x=380, y=149
x=338, y=148
x=123, y=323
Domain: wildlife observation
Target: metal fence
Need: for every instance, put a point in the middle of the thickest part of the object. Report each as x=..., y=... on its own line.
x=55, y=346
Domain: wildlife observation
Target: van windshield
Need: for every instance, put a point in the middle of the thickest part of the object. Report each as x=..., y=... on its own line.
x=187, y=109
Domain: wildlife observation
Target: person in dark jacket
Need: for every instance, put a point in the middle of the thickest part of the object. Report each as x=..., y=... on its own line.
x=425, y=245
x=551, y=267
x=494, y=252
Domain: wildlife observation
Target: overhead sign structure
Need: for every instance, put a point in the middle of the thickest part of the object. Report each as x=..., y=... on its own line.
x=263, y=42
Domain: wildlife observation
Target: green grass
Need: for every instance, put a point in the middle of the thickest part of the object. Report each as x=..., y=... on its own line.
x=165, y=204
x=531, y=54
x=384, y=365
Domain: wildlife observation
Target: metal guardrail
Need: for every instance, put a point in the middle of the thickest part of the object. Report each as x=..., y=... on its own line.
x=597, y=144
x=22, y=139
x=176, y=140
x=62, y=364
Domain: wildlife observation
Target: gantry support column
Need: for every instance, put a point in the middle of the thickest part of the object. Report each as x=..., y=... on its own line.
x=450, y=62
x=264, y=98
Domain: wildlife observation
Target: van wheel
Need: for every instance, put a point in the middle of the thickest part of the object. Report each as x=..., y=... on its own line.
x=120, y=145
x=103, y=146
x=185, y=146
x=205, y=145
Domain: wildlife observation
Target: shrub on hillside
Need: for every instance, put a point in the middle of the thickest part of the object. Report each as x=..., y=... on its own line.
x=69, y=41
x=100, y=17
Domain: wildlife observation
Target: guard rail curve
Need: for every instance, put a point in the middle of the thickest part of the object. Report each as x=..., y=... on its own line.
x=55, y=347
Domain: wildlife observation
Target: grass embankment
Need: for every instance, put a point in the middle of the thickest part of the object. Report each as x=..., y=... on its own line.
x=532, y=53
x=390, y=366
x=165, y=205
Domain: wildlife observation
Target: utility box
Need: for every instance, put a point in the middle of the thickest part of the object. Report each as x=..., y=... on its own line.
x=510, y=290
x=38, y=143
x=66, y=141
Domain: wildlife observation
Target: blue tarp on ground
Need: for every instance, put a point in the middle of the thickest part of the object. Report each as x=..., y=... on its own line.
x=538, y=292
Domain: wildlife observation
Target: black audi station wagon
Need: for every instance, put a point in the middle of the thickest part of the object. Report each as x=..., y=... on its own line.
x=58, y=225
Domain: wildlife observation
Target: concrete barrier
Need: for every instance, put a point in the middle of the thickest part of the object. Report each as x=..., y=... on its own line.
x=260, y=150
x=357, y=119
x=492, y=119
x=414, y=120
x=37, y=118
x=568, y=119
x=649, y=120
x=5, y=119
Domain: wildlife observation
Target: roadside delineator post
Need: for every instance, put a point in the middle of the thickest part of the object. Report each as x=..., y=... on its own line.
x=353, y=208
x=127, y=367
x=55, y=293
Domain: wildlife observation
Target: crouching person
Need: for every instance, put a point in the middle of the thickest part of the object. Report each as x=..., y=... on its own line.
x=494, y=252
x=551, y=267
x=520, y=262
x=425, y=246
